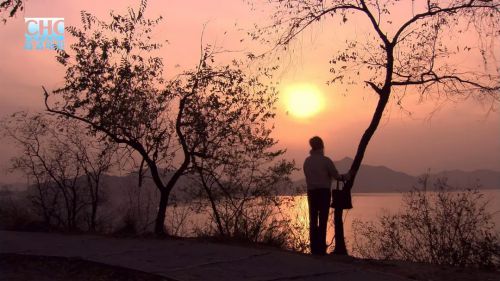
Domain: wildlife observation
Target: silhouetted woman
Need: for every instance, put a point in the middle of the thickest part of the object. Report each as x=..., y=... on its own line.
x=320, y=172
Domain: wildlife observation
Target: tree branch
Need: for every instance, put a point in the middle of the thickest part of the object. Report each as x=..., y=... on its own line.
x=431, y=12
x=374, y=87
x=296, y=25
x=443, y=79
x=93, y=125
x=375, y=24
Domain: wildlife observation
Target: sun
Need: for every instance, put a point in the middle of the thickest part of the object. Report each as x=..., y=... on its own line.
x=303, y=100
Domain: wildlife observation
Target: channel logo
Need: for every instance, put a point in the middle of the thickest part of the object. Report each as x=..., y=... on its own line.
x=44, y=33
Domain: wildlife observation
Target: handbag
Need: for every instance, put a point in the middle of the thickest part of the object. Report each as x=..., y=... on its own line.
x=341, y=198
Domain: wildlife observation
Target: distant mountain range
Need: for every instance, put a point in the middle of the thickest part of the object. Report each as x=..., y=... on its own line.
x=382, y=179
x=369, y=179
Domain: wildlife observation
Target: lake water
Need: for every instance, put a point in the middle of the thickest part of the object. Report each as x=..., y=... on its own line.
x=367, y=207
x=370, y=206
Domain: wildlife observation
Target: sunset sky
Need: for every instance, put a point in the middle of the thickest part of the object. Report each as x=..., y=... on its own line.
x=438, y=135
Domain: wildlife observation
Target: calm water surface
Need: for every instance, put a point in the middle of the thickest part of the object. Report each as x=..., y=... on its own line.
x=367, y=207
x=370, y=206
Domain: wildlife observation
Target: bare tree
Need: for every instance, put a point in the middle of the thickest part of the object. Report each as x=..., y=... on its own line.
x=63, y=165
x=95, y=158
x=47, y=162
x=396, y=57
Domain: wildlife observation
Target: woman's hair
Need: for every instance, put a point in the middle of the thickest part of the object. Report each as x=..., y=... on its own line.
x=316, y=143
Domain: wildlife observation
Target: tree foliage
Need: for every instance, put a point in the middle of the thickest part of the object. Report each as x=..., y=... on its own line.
x=114, y=84
x=112, y=87
x=9, y=8
x=227, y=128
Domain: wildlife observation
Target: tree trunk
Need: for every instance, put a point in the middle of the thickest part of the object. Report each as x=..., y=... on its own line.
x=212, y=202
x=95, y=204
x=160, y=216
x=93, y=218
x=340, y=247
x=165, y=190
x=164, y=194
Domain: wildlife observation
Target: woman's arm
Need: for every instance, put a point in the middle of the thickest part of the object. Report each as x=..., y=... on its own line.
x=333, y=172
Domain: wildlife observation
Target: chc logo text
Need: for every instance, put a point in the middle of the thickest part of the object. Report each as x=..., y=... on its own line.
x=44, y=33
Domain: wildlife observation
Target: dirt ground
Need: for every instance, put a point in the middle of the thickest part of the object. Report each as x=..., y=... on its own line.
x=422, y=271
x=14, y=267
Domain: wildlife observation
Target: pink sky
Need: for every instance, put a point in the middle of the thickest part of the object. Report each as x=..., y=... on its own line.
x=458, y=136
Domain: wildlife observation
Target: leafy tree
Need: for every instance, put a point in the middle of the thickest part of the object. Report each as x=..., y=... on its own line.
x=229, y=131
x=399, y=55
x=226, y=124
x=116, y=90
x=114, y=85
x=235, y=160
